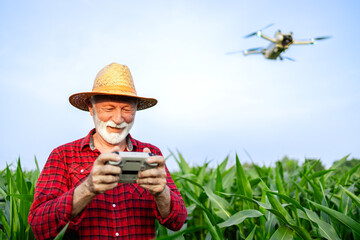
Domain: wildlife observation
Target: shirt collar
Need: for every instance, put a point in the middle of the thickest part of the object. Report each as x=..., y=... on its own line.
x=131, y=144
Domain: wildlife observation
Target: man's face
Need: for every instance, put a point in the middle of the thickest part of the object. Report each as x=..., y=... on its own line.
x=113, y=118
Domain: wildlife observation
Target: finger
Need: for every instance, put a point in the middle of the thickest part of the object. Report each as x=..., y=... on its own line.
x=157, y=159
x=101, y=188
x=105, y=179
x=151, y=181
x=110, y=169
x=99, y=171
x=109, y=179
x=153, y=189
x=105, y=157
x=153, y=173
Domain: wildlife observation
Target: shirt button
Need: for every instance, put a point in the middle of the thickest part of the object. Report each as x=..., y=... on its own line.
x=117, y=234
x=82, y=170
x=114, y=205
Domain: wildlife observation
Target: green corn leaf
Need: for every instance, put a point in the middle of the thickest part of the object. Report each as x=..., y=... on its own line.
x=302, y=232
x=243, y=183
x=200, y=175
x=181, y=233
x=326, y=230
x=348, y=174
x=355, y=199
x=218, y=182
x=239, y=217
x=208, y=216
x=342, y=218
x=275, y=203
x=20, y=180
x=213, y=229
x=27, y=197
x=278, y=180
x=228, y=178
x=336, y=166
x=254, y=182
x=190, y=209
x=62, y=232
x=192, y=181
x=288, y=199
x=251, y=235
x=4, y=223
x=37, y=164
x=305, y=178
x=260, y=171
x=2, y=193
x=260, y=204
x=222, y=166
x=283, y=233
x=320, y=173
x=162, y=231
x=220, y=202
x=184, y=167
x=345, y=203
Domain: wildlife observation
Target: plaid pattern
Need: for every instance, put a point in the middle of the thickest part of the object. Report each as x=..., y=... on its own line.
x=125, y=212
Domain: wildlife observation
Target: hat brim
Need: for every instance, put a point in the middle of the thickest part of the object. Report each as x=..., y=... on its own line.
x=81, y=100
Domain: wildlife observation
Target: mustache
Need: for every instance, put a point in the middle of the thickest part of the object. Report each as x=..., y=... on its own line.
x=114, y=125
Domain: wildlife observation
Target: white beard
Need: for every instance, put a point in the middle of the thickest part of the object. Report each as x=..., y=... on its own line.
x=112, y=138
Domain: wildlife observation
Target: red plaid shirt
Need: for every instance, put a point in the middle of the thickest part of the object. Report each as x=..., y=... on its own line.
x=125, y=212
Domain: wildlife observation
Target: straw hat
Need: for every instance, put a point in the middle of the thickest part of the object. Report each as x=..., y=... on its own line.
x=114, y=79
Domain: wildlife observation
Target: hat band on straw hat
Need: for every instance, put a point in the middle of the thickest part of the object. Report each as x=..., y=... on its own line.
x=115, y=89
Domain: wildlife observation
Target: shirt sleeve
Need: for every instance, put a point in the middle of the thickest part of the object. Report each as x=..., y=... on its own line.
x=52, y=206
x=178, y=212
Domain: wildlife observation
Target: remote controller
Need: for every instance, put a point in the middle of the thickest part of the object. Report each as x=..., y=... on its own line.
x=131, y=163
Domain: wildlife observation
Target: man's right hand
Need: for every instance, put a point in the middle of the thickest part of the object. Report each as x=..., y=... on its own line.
x=104, y=176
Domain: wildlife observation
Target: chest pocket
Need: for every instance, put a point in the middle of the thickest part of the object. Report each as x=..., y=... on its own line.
x=78, y=172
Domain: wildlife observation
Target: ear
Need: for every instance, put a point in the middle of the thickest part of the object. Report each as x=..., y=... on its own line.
x=91, y=109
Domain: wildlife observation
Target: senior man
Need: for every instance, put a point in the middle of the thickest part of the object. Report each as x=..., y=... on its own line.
x=77, y=187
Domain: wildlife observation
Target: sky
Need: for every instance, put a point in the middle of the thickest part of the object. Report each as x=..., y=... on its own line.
x=211, y=105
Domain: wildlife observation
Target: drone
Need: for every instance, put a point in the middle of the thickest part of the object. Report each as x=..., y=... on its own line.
x=279, y=44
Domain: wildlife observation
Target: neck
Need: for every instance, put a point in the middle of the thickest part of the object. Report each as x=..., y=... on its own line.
x=103, y=146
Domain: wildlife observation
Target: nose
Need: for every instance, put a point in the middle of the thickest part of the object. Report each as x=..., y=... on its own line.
x=117, y=117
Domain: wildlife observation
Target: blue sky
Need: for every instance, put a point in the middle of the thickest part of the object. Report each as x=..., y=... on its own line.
x=210, y=104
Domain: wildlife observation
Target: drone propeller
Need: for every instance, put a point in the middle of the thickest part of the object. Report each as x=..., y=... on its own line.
x=255, y=33
x=291, y=59
x=322, y=38
x=254, y=49
x=247, y=51
x=282, y=58
x=234, y=52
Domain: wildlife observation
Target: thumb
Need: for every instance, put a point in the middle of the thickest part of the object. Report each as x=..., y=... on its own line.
x=146, y=150
x=115, y=149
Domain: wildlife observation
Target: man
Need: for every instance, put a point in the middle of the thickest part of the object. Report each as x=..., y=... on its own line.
x=77, y=187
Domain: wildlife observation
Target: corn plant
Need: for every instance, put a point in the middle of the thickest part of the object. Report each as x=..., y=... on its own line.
x=307, y=202
x=16, y=196
x=239, y=201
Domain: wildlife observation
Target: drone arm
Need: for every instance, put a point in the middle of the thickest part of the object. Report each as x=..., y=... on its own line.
x=304, y=42
x=253, y=51
x=259, y=34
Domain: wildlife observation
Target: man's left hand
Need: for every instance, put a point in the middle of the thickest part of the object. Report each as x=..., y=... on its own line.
x=154, y=180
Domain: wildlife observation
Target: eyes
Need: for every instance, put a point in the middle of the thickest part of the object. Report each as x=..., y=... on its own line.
x=124, y=109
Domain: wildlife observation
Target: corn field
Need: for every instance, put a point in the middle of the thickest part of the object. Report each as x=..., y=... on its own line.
x=232, y=201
